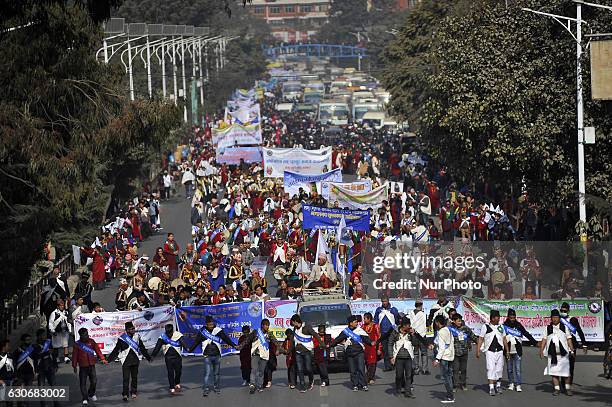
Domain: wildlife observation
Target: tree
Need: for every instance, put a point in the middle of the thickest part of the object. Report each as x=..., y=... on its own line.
x=493, y=95
x=68, y=132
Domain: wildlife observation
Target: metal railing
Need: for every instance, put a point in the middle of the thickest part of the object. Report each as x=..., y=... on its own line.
x=27, y=302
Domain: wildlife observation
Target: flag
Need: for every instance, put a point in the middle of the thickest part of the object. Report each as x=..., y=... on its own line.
x=322, y=247
x=343, y=235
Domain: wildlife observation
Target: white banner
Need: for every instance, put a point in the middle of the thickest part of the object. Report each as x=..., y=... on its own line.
x=279, y=160
x=236, y=135
x=345, y=198
x=357, y=186
x=106, y=327
x=243, y=115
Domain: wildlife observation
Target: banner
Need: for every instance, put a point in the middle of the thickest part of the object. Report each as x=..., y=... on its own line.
x=236, y=135
x=396, y=187
x=279, y=160
x=345, y=198
x=357, y=186
x=535, y=314
x=106, y=327
x=232, y=155
x=292, y=181
x=403, y=306
x=329, y=218
x=229, y=317
x=243, y=115
x=279, y=312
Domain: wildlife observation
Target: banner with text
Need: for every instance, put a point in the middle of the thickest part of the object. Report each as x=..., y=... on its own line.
x=279, y=160
x=229, y=317
x=293, y=181
x=357, y=186
x=535, y=314
x=106, y=327
x=279, y=312
x=345, y=198
x=329, y=218
x=232, y=156
x=236, y=135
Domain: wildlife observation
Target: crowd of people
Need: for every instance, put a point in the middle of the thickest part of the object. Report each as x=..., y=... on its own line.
x=248, y=244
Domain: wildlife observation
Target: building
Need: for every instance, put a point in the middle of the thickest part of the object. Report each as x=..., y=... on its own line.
x=404, y=4
x=292, y=20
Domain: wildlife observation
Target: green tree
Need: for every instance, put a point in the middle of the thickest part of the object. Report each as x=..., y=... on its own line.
x=68, y=132
x=492, y=95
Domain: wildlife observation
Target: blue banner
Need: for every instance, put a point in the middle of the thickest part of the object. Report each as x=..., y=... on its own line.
x=292, y=181
x=329, y=218
x=229, y=317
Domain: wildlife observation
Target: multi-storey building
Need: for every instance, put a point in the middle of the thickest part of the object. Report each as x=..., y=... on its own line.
x=292, y=20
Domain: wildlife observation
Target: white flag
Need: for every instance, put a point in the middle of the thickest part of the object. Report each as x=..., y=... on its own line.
x=322, y=248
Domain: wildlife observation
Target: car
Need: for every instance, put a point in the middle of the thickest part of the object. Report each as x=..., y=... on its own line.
x=331, y=309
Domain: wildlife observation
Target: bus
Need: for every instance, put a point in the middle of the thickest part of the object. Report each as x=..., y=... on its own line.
x=335, y=113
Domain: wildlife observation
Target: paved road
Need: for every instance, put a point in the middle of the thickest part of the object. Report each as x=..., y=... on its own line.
x=590, y=387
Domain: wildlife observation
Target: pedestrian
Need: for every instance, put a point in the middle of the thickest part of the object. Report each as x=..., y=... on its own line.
x=304, y=346
x=354, y=339
x=130, y=350
x=167, y=181
x=402, y=342
x=171, y=342
x=211, y=337
x=321, y=355
x=245, y=356
x=60, y=329
x=515, y=332
x=23, y=357
x=418, y=321
x=289, y=348
x=372, y=352
x=7, y=368
x=259, y=341
x=444, y=356
x=492, y=341
x=557, y=346
x=573, y=325
x=462, y=336
x=84, y=354
x=46, y=363
x=387, y=318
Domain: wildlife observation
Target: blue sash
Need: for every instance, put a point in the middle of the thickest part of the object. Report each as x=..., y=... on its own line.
x=514, y=332
x=46, y=346
x=24, y=355
x=462, y=336
x=210, y=336
x=86, y=348
x=352, y=335
x=169, y=341
x=302, y=339
x=262, y=339
x=131, y=342
x=571, y=327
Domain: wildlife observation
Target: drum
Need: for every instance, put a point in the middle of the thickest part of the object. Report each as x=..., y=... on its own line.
x=154, y=283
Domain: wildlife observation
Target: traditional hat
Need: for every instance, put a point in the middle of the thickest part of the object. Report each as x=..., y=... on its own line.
x=511, y=312
x=494, y=313
x=555, y=313
x=129, y=324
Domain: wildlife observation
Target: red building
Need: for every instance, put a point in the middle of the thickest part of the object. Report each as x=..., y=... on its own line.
x=292, y=20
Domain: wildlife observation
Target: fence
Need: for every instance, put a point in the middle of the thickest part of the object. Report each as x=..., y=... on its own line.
x=27, y=302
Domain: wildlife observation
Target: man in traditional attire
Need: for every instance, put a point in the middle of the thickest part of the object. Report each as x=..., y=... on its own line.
x=556, y=345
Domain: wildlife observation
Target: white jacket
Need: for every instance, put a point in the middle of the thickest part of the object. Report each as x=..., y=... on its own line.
x=446, y=345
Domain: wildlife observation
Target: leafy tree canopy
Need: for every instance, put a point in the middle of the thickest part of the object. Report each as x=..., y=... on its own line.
x=68, y=132
x=492, y=94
